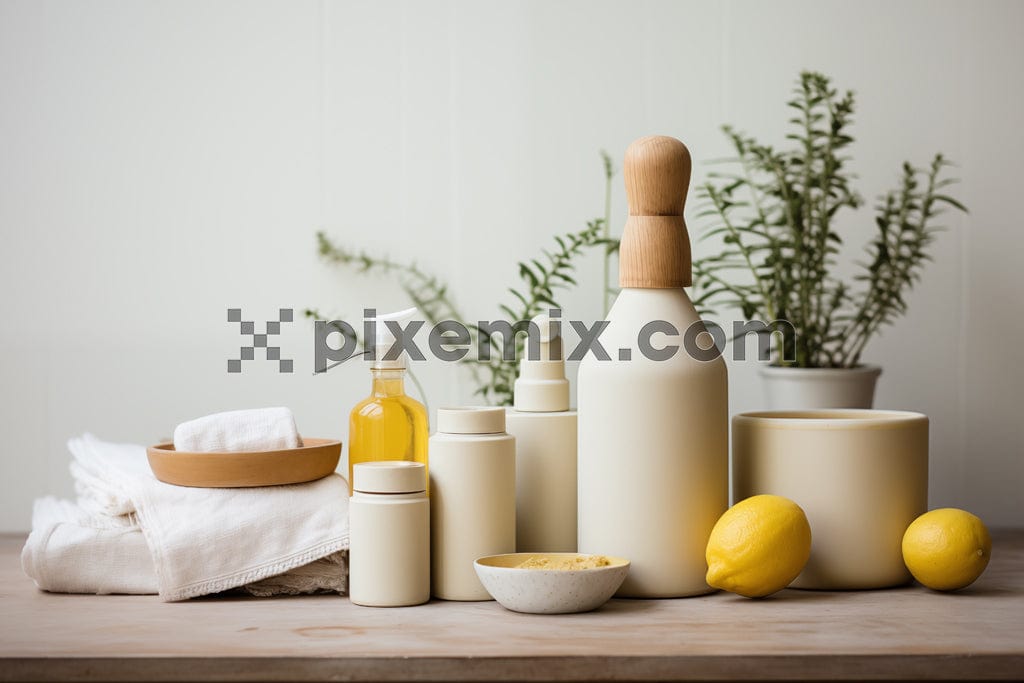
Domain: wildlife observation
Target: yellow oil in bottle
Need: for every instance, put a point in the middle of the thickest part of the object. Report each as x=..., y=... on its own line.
x=387, y=425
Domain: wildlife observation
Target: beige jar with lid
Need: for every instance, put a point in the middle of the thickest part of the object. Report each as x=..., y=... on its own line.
x=472, y=497
x=389, y=534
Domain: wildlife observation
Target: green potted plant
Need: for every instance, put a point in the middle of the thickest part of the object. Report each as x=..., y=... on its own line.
x=775, y=216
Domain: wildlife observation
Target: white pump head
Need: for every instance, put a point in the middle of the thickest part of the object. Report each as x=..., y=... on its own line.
x=385, y=339
x=542, y=386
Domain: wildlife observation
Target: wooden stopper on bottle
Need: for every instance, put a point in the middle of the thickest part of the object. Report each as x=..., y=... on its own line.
x=655, y=248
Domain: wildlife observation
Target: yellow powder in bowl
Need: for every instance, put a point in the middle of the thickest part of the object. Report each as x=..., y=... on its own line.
x=566, y=563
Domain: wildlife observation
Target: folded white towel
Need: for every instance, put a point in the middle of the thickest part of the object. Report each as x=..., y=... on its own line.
x=70, y=551
x=260, y=429
x=199, y=541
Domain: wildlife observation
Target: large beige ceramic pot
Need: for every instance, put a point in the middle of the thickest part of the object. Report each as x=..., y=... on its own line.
x=860, y=475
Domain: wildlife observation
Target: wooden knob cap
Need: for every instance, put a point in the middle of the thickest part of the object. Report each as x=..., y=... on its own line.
x=655, y=250
x=657, y=170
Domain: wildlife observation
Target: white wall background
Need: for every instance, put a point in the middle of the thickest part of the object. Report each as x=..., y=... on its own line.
x=162, y=161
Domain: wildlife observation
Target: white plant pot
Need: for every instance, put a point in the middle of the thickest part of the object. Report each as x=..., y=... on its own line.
x=816, y=388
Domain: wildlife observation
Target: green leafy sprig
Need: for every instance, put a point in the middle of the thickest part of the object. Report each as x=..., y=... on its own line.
x=542, y=279
x=775, y=215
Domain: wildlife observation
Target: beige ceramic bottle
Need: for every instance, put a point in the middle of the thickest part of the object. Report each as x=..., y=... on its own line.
x=545, y=431
x=653, y=424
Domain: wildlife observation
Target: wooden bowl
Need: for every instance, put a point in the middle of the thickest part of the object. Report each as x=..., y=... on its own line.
x=314, y=460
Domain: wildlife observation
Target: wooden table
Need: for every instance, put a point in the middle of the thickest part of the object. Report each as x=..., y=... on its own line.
x=906, y=633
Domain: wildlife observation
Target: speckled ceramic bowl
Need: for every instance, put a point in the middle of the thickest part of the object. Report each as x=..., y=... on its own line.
x=549, y=591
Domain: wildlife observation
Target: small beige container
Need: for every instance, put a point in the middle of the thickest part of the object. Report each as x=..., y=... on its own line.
x=860, y=475
x=389, y=533
x=472, y=497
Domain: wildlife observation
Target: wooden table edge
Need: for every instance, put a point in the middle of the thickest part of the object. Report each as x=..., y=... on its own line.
x=521, y=668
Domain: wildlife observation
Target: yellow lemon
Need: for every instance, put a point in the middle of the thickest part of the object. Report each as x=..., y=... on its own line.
x=758, y=546
x=946, y=549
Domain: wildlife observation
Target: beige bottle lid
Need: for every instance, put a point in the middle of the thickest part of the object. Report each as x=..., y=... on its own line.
x=542, y=386
x=471, y=420
x=389, y=476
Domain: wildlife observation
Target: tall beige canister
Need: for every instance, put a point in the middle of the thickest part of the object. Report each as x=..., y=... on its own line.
x=472, y=497
x=860, y=475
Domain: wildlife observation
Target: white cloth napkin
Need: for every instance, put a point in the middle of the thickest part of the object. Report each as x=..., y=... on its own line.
x=70, y=551
x=198, y=541
x=260, y=429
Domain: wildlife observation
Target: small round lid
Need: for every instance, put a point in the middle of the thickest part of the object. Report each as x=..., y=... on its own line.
x=471, y=420
x=389, y=476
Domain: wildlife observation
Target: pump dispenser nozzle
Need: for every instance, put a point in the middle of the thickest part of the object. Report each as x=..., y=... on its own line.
x=384, y=339
x=542, y=386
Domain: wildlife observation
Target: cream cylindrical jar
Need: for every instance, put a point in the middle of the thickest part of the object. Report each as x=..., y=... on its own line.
x=860, y=475
x=472, y=497
x=389, y=534
x=545, y=431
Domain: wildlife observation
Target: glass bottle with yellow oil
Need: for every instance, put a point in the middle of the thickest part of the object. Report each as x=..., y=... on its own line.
x=388, y=424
